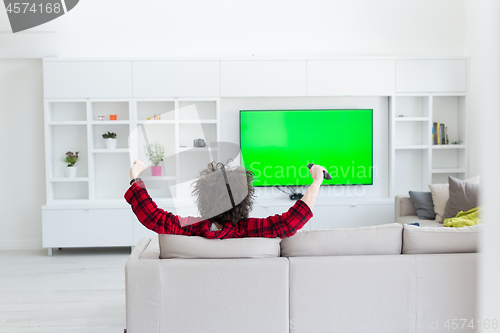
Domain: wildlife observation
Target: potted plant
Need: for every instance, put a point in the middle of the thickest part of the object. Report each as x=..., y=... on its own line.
x=110, y=139
x=70, y=159
x=155, y=153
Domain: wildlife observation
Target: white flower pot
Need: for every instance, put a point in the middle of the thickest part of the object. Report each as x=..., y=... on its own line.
x=111, y=143
x=71, y=171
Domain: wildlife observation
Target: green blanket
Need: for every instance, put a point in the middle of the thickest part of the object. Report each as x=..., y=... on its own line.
x=463, y=219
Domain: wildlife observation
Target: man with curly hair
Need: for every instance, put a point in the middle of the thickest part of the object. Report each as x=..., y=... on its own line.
x=224, y=196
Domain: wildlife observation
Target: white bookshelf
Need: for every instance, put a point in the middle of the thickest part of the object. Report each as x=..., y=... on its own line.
x=73, y=125
x=417, y=162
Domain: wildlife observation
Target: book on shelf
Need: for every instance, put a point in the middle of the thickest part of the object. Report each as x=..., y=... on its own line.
x=440, y=134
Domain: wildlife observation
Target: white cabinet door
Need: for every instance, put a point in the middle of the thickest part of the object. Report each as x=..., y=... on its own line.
x=336, y=216
x=263, y=78
x=86, y=227
x=350, y=77
x=448, y=75
x=176, y=78
x=87, y=79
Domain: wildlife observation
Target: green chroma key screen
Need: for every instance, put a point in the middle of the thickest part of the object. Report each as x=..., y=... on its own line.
x=277, y=145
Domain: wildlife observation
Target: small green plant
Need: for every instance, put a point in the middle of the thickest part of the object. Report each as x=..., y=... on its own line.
x=109, y=135
x=155, y=153
x=70, y=159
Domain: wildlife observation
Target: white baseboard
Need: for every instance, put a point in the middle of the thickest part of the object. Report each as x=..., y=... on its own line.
x=25, y=244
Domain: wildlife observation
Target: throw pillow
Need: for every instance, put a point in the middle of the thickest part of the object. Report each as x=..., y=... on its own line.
x=463, y=197
x=440, y=195
x=188, y=247
x=423, y=205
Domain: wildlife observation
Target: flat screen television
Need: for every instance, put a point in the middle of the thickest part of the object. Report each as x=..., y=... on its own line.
x=277, y=145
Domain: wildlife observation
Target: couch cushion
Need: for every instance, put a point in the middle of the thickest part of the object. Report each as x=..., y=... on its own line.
x=423, y=205
x=440, y=194
x=379, y=239
x=463, y=197
x=414, y=218
x=178, y=246
x=419, y=240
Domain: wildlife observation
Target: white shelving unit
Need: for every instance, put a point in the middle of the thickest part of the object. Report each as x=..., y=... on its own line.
x=417, y=162
x=89, y=210
x=103, y=174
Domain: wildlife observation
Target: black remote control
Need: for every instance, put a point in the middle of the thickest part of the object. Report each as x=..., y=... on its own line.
x=326, y=175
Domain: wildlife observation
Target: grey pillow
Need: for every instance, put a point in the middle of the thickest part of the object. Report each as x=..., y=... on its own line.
x=463, y=196
x=423, y=205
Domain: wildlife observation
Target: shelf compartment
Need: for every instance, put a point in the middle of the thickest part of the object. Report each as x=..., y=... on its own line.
x=147, y=110
x=450, y=110
x=120, y=109
x=412, y=106
x=412, y=133
x=112, y=175
x=190, y=132
x=122, y=133
x=151, y=133
x=68, y=138
x=66, y=190
x=202, y=110
x=67, y=111
x=448, y=159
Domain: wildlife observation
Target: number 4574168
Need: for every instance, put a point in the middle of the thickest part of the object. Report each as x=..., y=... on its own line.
x=23, y=7
x=460, y=324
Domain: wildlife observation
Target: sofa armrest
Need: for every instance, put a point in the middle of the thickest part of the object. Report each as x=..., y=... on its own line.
x=142, y=290
x=140, y=248
x=404, y=206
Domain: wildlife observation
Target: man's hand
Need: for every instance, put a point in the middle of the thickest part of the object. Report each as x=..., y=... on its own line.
x=137, y=168
x=317, y=174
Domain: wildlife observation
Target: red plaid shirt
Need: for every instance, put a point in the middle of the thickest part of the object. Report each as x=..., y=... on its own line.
x=163, y=222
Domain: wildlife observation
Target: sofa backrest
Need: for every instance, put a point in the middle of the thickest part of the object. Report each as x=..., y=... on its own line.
x=379, y=239
x=427, y=240
x=196, y=247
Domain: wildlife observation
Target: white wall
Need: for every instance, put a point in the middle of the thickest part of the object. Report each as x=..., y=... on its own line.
x=221, y=28
x=22, y=166
x=193, y=29
x=483, y=40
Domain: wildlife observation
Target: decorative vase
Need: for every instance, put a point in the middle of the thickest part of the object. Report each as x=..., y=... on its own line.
x=112, y=117
x=111, y=143
x=156, y=170
x=71, y=171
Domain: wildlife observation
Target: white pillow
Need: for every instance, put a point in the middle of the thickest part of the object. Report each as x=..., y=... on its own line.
x=440, y=194
x=418, y=240
x=377, y=239
x=188, y=247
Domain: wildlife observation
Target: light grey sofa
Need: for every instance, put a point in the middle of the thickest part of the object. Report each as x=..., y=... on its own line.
x=405, y=213
x=409, y=279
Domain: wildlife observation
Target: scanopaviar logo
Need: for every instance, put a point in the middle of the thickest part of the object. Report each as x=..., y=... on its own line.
x=28, y=14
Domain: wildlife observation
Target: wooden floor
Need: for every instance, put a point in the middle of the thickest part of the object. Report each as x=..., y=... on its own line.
x=76, y=290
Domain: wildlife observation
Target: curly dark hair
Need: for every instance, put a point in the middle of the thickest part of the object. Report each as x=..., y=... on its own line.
x=212, y=196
